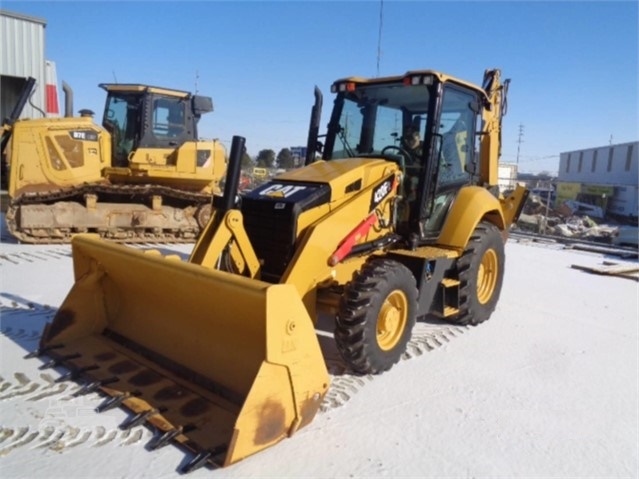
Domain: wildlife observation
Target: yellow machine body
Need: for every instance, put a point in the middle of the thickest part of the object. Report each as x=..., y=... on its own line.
x=44, y=156
x=219, y=353
x=120, y=180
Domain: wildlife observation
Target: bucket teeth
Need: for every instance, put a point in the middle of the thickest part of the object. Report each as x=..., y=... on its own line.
x=75, y=373
x=40, y=351
x=198, y=461
x=94, y=385
x=59, y=360
x=164, y=439
x=204, y=457
x=138, y=419
x=114, y=401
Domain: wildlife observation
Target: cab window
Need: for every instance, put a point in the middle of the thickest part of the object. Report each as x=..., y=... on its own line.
x=457, y=128
x=168, y=118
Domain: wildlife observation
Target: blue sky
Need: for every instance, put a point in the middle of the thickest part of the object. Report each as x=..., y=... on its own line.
x=573, y=65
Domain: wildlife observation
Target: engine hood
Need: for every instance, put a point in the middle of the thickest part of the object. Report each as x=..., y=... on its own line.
x=344, y=177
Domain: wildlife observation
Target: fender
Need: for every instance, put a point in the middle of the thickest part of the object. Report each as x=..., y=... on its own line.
x=472, y=204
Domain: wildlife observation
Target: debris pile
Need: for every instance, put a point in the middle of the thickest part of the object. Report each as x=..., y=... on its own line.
x=570, y=221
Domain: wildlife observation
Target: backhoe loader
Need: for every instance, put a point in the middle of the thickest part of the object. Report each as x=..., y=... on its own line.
x=142, y=175
x=219, y=353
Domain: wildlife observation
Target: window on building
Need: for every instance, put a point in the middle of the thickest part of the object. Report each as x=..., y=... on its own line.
x=629, y=157
x=594, y=161
x=568, y=163
x=610, y=158
x=581, y=161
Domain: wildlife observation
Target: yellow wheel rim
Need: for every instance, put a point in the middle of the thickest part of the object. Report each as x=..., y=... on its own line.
x=487, y=276
x=392, y=320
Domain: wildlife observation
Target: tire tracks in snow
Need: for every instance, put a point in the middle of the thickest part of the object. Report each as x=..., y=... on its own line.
x=345, y=384
x=66, y=437
x=34, y=256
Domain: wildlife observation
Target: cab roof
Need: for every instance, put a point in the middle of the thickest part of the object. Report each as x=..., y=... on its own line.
x=442, y=77
x=139, y=88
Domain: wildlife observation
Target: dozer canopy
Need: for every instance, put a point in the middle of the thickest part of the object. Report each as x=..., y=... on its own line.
x=223, y=364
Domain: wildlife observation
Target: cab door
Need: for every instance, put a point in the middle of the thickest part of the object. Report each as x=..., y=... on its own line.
x=452, y=155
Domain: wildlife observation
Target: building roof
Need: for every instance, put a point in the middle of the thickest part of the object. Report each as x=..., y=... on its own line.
x=21, y=16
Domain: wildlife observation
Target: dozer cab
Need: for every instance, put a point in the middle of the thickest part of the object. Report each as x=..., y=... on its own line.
x=219, y=353
x=142, y=175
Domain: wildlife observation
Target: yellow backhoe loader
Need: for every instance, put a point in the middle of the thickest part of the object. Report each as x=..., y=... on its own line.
x=142, y=175
x=220, y=353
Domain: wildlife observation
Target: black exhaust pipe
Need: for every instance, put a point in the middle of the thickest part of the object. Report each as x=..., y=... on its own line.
x=234, y=168
x=312, y=144
x=68, y=99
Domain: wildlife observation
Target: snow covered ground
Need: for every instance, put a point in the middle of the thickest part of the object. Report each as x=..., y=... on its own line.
x=547, y=388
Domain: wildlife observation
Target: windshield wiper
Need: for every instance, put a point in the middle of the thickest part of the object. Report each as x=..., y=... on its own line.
x=342, y=136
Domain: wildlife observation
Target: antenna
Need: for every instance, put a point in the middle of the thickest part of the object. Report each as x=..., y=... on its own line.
x=197, y=77
x=115, y=79
x=379, y=35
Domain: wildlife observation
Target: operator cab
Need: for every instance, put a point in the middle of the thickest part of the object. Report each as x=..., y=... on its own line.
x=424, y=121
x=140, y=116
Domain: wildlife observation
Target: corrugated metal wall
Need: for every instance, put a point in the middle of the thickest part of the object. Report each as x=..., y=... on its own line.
x=615, y=167
x=611, y=164
x=21, y=55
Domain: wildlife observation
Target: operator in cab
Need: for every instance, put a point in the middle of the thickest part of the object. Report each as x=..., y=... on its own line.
x=412, y=143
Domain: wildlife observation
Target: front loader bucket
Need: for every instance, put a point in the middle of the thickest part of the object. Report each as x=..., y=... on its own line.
x=223, y=364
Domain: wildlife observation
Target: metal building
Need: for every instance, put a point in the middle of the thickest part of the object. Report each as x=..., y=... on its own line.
x=605, y=176
x=22, y=42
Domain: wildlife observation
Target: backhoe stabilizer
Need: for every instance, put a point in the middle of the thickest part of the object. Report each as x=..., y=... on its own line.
x=222, y=364
x=513, y=205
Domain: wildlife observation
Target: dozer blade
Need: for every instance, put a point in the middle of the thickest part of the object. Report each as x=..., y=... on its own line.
x=222, y=364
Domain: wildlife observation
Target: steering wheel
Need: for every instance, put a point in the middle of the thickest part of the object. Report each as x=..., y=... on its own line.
x=407, y=157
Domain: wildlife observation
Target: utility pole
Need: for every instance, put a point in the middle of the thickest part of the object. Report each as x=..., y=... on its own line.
x=379, y=34
x=519, y=142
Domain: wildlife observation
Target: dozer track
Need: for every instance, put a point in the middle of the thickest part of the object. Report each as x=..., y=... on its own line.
x=121, y=213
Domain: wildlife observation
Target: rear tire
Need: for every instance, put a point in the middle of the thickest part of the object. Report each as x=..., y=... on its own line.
x=376, y=316
x=481, y=273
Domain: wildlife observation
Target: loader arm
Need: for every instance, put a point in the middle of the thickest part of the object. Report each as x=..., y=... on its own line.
x=490, y=142
x=226, y=235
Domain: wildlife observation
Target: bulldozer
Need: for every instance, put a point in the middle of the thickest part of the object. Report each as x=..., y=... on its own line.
x=142, y=175
x=220, y=353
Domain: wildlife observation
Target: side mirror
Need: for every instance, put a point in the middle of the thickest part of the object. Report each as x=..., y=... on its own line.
x=201, y=104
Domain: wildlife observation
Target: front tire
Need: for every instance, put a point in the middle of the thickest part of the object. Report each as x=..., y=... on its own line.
x=481, y=273
x=376, y=316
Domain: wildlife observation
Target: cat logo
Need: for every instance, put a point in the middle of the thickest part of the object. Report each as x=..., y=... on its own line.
x=281, y=191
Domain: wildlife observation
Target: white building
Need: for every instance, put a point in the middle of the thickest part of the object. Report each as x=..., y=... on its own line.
x=607, y=176
x=22, y=56
x=507, y=177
